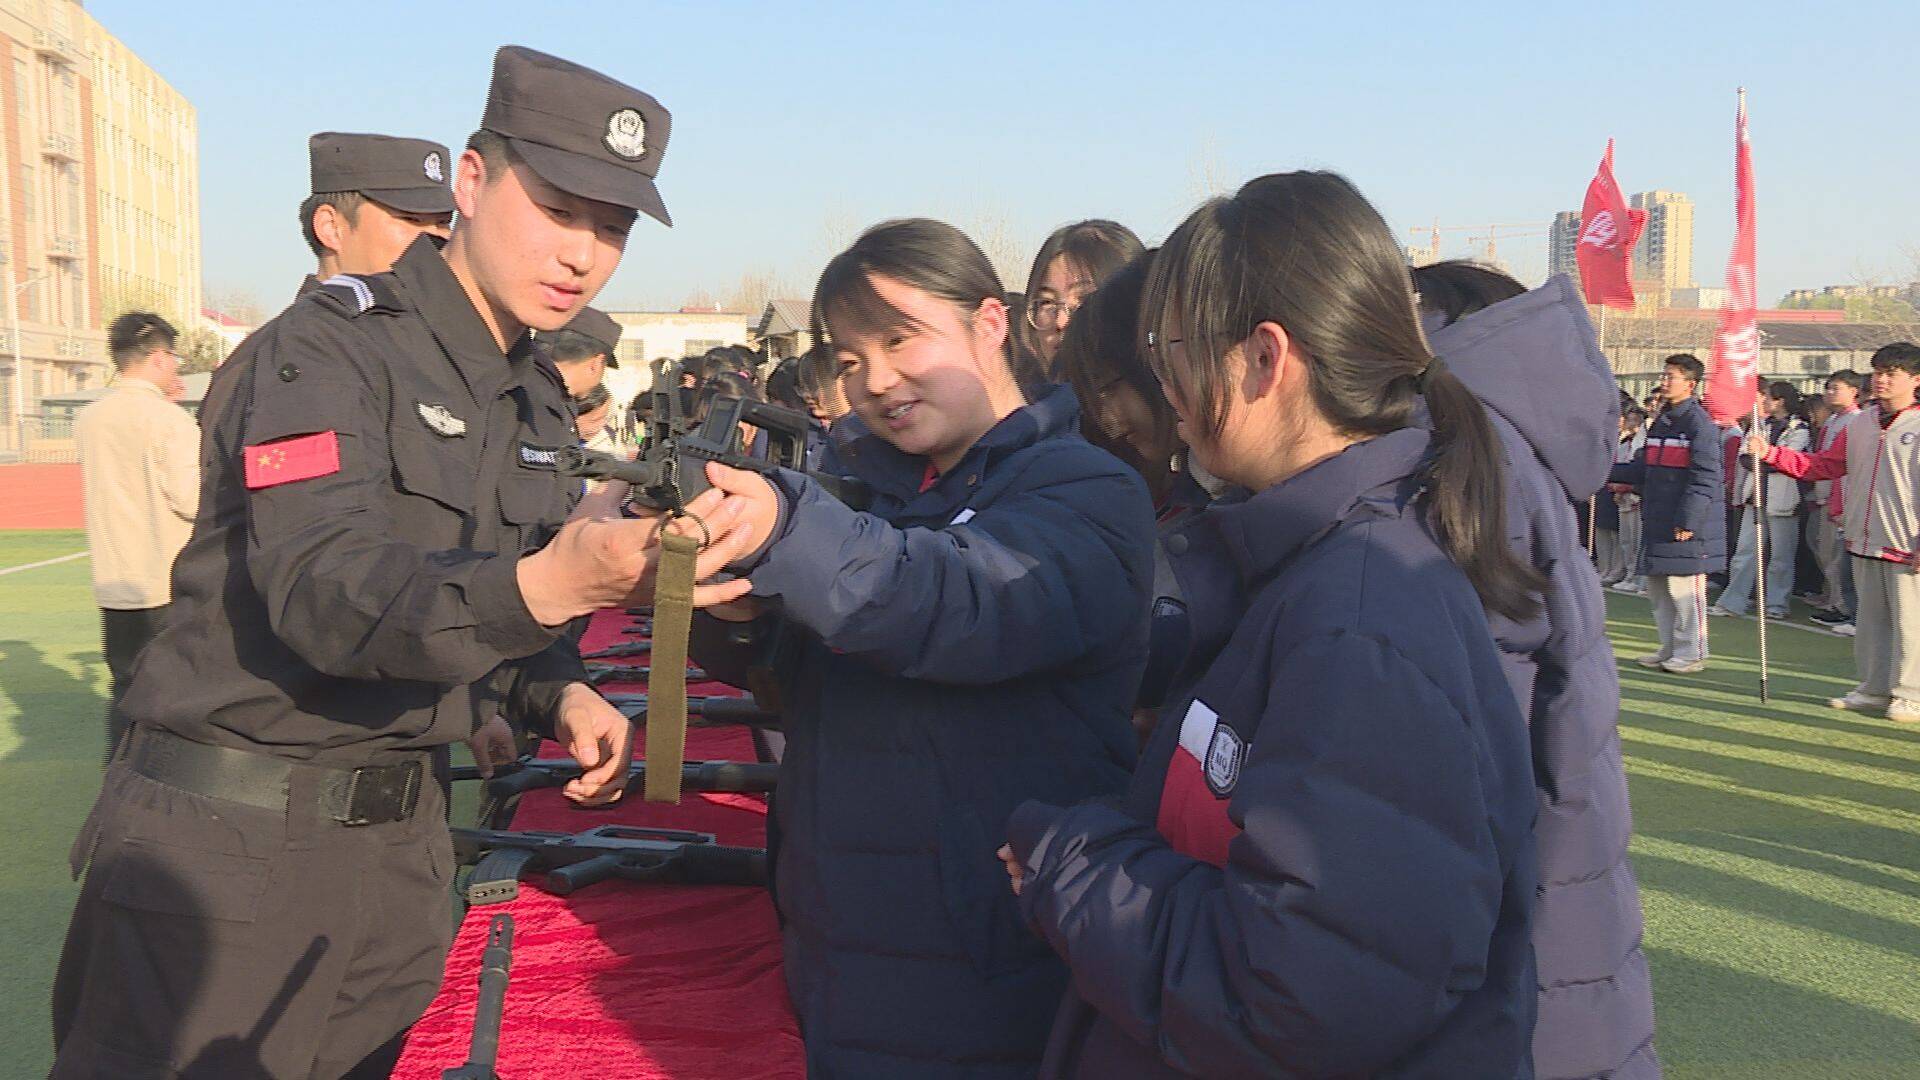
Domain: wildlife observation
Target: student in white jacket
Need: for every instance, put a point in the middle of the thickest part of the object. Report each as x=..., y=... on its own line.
x=1878, y=454
x=1777, y=502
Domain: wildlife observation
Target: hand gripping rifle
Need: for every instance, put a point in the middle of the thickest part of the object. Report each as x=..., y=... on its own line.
x=573, y=861
x=502, y=793
x=495, y=963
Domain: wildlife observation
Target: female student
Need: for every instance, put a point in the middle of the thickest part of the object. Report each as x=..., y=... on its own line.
x=971, y=642
x=1325, y=865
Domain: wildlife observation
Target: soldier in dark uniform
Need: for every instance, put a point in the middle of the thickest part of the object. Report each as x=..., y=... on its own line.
x=372, y=195
x=268, y=863
x=584, y=349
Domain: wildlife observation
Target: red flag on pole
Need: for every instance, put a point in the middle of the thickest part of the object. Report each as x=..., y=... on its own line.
x=1731, y=390
x=1608, y=231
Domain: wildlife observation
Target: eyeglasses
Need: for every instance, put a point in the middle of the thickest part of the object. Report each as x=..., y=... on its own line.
x=1045, y=314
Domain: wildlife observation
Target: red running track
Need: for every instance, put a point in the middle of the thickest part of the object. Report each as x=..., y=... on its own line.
x=40, y=497
x=648, y=982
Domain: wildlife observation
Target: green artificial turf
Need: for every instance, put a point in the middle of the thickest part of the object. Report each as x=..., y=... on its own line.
x=1778, y=845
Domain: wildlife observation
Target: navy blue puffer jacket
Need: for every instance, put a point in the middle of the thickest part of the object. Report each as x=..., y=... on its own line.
x=957, y=651
x=1325, y=864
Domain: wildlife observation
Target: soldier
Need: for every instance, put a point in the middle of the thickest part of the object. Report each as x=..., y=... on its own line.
x=584, y=349
x=267, y=865
x=372, y=194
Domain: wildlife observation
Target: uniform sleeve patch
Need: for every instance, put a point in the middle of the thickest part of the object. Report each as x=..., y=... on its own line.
x=284, y=461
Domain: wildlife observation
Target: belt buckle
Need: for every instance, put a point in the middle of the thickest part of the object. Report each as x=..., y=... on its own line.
x=378, y=794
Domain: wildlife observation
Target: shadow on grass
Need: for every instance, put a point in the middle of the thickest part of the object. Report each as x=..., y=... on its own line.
x=1842, y=859
x=1712, y=1017
x=1846, y=755
x=1782, y=779
x=53, y=702
x=1720, y=887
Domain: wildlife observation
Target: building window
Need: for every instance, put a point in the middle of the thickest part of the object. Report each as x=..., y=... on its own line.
x=696, y=346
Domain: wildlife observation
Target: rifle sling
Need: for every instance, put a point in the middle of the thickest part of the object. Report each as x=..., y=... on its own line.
x=667, y=684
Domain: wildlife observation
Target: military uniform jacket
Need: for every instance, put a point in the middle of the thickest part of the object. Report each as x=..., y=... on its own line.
x=372, y=469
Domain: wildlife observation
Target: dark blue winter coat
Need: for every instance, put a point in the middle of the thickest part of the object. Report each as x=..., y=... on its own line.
x=1681, y=487
x=1533, y=361
x=1347, y=710
x=957, y=652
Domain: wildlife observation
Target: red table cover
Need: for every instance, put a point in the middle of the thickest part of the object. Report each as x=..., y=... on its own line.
x=650, y=982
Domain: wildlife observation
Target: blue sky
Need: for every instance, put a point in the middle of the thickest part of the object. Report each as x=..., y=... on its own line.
x=795, y=125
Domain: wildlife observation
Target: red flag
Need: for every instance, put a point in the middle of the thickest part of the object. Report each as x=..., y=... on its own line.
x=287, y=460
x=1731, y=391
x=1608, y=231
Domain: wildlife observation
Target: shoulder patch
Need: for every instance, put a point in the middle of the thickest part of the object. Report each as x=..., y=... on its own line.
x=357, y=295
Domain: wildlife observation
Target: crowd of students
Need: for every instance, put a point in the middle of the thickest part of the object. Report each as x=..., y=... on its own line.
x=1132, y=606
x=1686, y=508
x=1218, y=682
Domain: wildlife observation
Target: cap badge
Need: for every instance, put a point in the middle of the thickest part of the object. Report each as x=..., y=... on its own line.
x=440, y=421
x=432, y=168
x=627, y=134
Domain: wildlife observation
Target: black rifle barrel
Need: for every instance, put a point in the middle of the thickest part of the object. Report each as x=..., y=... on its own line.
x=496, y=963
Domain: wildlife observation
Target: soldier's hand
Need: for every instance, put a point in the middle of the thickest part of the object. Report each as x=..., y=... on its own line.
x=492, y=745
x=588, y=565
x=600, y=738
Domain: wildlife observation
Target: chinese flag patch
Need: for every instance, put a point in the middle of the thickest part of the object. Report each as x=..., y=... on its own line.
x=286, y=460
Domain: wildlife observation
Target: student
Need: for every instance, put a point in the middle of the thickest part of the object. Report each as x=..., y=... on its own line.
x=1325, y=865
x=1682, y=513
x=1504, y=343
x=972, y=642
x=1776, y=502
x=1878, y=453
x=1633, y=439
x=1843, y=390
x=1075, y=260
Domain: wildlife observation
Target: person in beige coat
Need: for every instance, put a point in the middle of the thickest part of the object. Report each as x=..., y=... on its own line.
x=140, y=480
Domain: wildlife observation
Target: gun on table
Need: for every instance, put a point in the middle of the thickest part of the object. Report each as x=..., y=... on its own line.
x=573, y=861
x=509, y=782
x=714, y=710
x=496, y=962
x=616, y=652
x=601, y=674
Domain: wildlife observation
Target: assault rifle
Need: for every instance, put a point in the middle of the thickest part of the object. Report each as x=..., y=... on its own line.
x=671, y=468
x=615, y=652
x=714, y=710
x=573, y=861
x=601, y=674
x=533, y=774
x=495, y=964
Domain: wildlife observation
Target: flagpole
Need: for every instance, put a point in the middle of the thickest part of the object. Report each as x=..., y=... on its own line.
x=1759, y=499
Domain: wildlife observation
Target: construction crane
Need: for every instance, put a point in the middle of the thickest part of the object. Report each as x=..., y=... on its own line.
x=1489, y=234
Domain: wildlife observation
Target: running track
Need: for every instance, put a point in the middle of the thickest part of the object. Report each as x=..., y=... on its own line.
x=40, y=497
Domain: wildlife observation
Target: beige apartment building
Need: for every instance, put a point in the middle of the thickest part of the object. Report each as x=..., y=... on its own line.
x=99, y=205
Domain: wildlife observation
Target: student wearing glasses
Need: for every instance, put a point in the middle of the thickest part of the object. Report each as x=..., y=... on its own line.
x=1073, y=262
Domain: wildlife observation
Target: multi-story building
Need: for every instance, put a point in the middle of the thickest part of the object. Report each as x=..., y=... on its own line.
x=1664, y=255
x=99, y=191
x=1563, y=244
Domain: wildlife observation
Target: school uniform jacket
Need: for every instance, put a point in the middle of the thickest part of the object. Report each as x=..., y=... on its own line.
x=1681, y=487
x=1325, y=864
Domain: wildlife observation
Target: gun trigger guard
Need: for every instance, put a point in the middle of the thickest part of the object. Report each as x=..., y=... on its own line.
x=496, y=878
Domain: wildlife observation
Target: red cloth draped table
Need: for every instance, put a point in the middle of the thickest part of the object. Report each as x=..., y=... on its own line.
x=649, y=982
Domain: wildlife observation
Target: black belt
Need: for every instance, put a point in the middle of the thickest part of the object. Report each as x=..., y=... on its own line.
x=369, y=795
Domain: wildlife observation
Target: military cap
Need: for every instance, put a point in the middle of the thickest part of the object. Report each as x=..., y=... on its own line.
x=600, y=328
x=579, y=130
x=410, y=175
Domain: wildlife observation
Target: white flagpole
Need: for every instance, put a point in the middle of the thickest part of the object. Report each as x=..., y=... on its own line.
x=1760, y=552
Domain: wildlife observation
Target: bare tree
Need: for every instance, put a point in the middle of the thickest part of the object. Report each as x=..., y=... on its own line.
x=755, y=287
x=1011, y=259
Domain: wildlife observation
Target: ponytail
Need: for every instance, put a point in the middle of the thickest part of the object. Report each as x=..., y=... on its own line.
x=1467, y=498
x=1307, y=251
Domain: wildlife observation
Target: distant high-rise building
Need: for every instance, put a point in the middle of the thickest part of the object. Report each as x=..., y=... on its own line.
x=1664, y=256
x=1562, y=242
x=99, y=194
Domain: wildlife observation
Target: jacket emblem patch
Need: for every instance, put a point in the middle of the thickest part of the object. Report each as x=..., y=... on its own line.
x=440, y=420
x=1225, y=752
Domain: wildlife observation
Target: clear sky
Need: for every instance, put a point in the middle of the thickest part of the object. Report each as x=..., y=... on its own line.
x=796, y=124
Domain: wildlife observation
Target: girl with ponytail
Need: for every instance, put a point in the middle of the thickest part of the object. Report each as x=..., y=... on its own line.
x=1325, y=864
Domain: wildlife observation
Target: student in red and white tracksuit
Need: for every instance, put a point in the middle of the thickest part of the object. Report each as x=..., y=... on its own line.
x=1878, y=454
